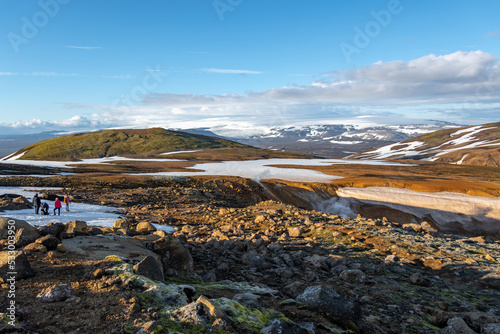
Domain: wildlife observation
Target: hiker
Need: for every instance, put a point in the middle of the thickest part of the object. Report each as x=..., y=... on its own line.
x=57, y=206
x=67, y=201
x=45, y=209
x=36, y=203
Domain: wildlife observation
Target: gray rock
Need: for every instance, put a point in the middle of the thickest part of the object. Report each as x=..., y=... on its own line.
x=55, y=293
x=280, y=326
x=150, y=268
x=491, y=329
x=15, y=262
x=457, y=326
x=325, y=298
x=353, y=276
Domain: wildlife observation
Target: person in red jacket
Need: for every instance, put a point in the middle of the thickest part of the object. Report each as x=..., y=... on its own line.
x=57, y=206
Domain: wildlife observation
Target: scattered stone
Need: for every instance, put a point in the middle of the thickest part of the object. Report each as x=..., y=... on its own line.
x=61, y=248
x=54, y=293
x=77, y=228
x=295, y=232
x=355, y=276
x=145, y=228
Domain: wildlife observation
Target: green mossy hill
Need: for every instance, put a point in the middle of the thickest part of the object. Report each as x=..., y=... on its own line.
x=128, y=143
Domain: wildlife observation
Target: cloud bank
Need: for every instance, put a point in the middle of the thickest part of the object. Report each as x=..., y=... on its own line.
x=461, y=86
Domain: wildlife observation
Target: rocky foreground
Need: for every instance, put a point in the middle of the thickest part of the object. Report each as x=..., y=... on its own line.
x=238, y=263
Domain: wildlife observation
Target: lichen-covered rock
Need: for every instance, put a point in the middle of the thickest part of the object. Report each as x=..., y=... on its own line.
x=157, y=293
x=325, y=298
x=54, y=293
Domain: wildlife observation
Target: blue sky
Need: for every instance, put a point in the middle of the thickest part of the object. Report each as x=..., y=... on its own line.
x=87, y=64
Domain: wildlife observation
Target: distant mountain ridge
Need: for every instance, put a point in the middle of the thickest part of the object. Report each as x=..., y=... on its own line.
x=129, y=142
x=338, y=140
x=472, y=145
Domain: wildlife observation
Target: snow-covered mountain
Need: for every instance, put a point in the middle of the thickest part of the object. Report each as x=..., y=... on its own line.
x=331, y=140
x=473, y=145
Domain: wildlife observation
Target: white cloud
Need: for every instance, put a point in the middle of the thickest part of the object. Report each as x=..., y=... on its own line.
x=457, y=87
x=229, y=71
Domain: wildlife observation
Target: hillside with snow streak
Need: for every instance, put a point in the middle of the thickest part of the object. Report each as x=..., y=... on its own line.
x=474, y=145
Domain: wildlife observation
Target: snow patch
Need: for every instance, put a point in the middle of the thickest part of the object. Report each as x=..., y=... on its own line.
x=93, y=215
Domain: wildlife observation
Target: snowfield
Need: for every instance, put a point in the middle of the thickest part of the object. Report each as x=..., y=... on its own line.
x=264, y=169
x=93, y=215
x=472, y=213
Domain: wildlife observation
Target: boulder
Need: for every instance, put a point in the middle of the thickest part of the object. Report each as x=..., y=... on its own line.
x=326, y=299
x=6, y=222
x=150, y=268
x=54, y=293
x=52, y=228
x=145, y=228
x=49, y=241
x=15, y=262
x=173, y=254
x=457, y=326
x=294, y=289
x=295, y=232
x=77, y=228
x=35, y=247
x=24, y=237
x=122, y=223
x=355, y=276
